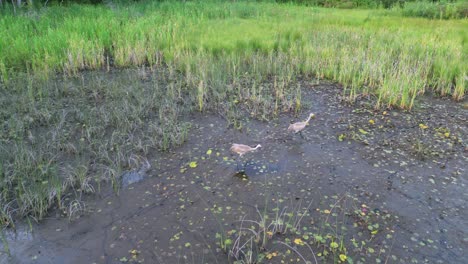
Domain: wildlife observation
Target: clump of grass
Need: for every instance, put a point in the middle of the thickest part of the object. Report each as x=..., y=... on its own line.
x=345, y=231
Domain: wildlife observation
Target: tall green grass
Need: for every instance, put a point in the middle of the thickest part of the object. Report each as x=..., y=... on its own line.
x=393, y=57
x=435, y=10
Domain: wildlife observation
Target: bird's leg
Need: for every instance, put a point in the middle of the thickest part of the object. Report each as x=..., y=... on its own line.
x=239, y=160
x=302, y=136
x=245, y=165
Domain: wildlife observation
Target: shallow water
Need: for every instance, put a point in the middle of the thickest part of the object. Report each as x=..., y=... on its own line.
x=173, y=215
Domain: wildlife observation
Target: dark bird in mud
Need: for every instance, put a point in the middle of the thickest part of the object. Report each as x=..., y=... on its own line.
x=241, y=149
x=299, y=126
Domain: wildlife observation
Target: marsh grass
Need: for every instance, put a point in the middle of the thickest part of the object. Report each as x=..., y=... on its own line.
x=207, y=42
x=346, y=230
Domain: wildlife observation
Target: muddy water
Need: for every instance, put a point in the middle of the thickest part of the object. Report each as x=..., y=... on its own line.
x=173, y=215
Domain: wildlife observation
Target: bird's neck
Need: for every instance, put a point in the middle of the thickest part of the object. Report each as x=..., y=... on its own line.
x=256, y=147
x=308, y=119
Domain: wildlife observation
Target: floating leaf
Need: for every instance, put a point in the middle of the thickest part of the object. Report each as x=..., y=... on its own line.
x=447, y=134
x=209, y=152
x=362, y=131
x=343, y=257
x=370, y=122
x=298, y=241
x=423, y=126
x=319, y=238
x=124, y=259
x=193, y=164
x=371, y=250
x=187, y=245
x=326, y=211
x=341, y=137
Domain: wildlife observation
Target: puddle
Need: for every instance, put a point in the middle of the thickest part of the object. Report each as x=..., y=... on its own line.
x=175, y=214
x=131, y=177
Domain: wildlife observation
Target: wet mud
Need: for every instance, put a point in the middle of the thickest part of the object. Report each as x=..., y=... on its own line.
x=410, y=166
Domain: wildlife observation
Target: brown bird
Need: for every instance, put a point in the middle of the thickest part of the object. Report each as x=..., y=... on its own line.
x=241, y=149
x=299, y=126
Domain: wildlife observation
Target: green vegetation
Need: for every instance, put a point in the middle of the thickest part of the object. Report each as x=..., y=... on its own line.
x=437, y=10
x=300, y=231
x=65, y=129
x=392, y=57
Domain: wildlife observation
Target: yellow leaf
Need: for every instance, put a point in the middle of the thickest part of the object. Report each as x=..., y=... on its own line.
x=343, y=257
x=423, y=126
x=326, y=211
x=374, y=232
x=447, y=134
x=298, y=241
x=269, y=256
x=209, y=152
x=362, y=131
x=193, y=164
x=371, y=122
x=269, y=233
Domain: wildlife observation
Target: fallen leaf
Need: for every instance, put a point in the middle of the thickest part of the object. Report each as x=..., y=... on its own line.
x=193, y=164
x=298, y=241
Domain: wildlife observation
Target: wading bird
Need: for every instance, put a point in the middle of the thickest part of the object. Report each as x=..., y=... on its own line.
x=299, y=126
x=241, y=149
